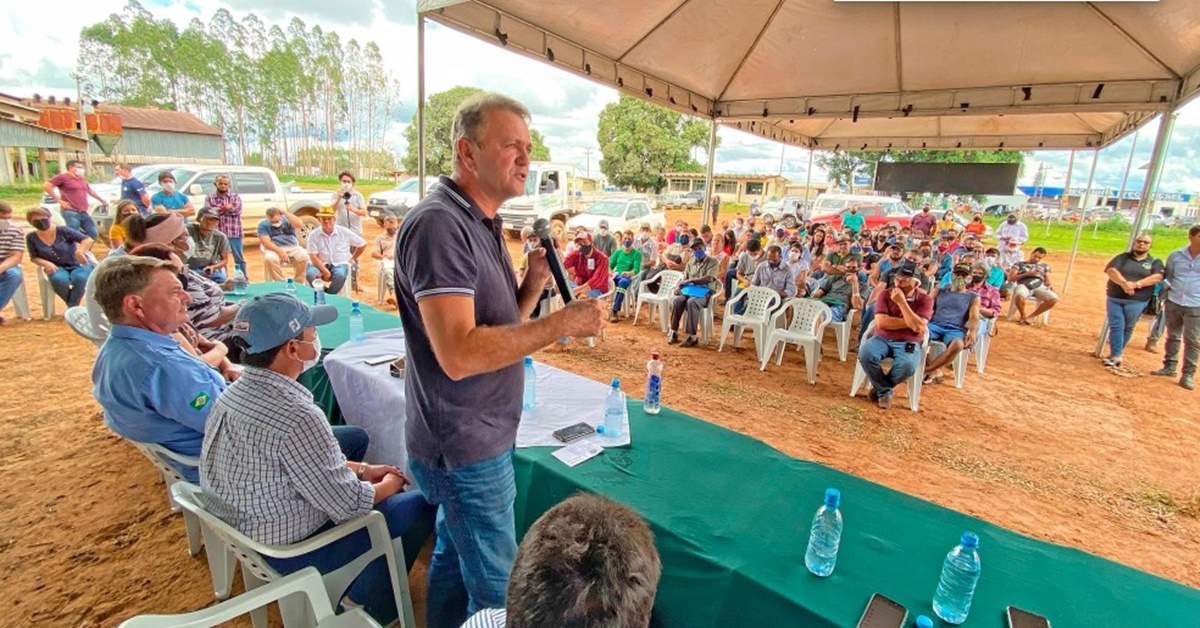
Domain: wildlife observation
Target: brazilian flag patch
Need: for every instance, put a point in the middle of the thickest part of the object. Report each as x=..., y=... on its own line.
x=200, y=401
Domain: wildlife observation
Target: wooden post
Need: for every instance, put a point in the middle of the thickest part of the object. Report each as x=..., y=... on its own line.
x=42, y=164
x=24, y=159
x=6, y=166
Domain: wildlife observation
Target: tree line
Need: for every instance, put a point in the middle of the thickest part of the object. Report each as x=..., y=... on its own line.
x=298, y=100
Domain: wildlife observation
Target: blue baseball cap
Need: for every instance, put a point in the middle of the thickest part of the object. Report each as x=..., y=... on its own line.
x=269, y=320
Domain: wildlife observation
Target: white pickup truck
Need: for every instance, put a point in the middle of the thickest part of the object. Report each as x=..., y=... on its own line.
x=259, y=188
x=549, y=194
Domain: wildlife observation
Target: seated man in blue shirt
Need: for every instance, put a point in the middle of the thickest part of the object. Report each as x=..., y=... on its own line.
x=271, y=465
x=954, y=324
x=171, y=199
x=279, y=243
x=152, y=391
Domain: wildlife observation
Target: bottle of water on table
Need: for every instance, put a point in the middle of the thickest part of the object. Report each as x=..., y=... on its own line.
x=653, y=400
x=614, y=411
x=318, y=291
x=960, y=575
x=825, y=536
x=529, y=401
x=239, y=282
x=290, y=288
x=357, y=326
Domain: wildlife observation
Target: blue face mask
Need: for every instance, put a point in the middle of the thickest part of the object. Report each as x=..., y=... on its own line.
x=699, y=255
x=682, y=240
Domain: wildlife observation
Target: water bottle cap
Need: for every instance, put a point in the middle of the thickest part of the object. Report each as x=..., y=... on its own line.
x=354, y=305
x=654, y=355
x=833, y=497
x=924, y=622
x=599, y=429
x=528, y=360
x=969, y=540
x=290, y=280
x=616, y=383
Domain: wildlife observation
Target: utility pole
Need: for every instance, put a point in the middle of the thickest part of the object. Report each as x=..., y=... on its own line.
x=83, y=127
x=588, y=152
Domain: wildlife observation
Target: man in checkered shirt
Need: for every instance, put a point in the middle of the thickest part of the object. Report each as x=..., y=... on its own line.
x=271, y=467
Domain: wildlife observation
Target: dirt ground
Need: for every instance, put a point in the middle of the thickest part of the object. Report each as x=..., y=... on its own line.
x=1046, y=443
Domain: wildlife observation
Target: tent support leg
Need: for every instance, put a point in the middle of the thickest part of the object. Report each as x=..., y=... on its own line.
x=421, y=106
x=1079, y=223
x=708, y=177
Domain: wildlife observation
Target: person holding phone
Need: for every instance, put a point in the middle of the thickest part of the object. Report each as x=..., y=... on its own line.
x=901, y=317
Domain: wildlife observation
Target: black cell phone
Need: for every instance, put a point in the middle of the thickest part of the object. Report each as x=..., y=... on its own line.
x=574, y=432
x=1018, y=618
x=909, y=347
x=883, y=612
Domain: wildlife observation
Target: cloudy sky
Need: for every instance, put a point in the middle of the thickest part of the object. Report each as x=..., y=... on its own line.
x=38, y=48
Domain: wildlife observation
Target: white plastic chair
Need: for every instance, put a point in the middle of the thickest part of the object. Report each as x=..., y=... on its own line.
x=77, y=317
x=841, y=333
x=303, y=588
x=708, y=315
x=913, y=382
x=21, y=303
x=284, y=262
x=668, y=280
x=383, y=280
x=256, y=571
x=1012, y=308
x=809, y=319
x=162, y=457
x=984, y=344
x=612, y=290
x=760, y=302
x=46, y=292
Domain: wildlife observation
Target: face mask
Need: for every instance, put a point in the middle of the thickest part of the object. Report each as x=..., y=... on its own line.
x=276, y=225
x=991, y=258
x=773, y=265
x=699, y=255
x=79, y=172
x=346, y=187
x=682, y=240
x=5, y=224
x=853, y=212
x=958, y=283
x=391, y=231
x=168, y=187
x=794, y=255
x=603, y=231
x=977, y=219
x=976, y=279
x=1012, y=221
x=585, y=249
x=191, y=245
x=628, y=243
x=316, y=345
x=41, y=224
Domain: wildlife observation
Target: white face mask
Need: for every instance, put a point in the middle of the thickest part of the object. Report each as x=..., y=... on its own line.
x=316, y=345
x=168, y=187
x=79, y=172
x=603, y=230
x=5, y=223
x=346, y=187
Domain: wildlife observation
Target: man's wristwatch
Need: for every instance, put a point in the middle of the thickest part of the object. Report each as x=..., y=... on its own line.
x=362, y=470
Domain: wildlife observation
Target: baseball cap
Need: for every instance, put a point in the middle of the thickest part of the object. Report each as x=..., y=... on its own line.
x=961, y=269
x=906, y=270
x=603, y=223
x=698, y=244
x=526, y=232
x=269, y=320
x=583, y=236
x=206, y=212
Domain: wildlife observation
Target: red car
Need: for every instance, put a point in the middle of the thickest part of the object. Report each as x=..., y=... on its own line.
x=874, y=216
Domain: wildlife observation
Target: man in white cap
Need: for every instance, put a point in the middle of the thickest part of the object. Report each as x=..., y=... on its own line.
x=272, y=468
x=604, y=240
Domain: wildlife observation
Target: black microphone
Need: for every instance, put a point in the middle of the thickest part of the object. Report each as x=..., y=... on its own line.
x=541, y=228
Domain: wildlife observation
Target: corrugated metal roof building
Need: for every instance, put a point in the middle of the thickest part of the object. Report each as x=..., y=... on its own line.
x=156, y=136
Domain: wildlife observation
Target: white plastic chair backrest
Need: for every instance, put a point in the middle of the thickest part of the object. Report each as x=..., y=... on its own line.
x=188, y=497
x=162, y=457
x=810, y=314
x=77, y=317
x=759, y=301
x=670, y=280
x=306, y=582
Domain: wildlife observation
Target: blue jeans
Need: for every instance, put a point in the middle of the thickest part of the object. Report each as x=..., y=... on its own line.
x=239, y=255
x=623, y=284
x=352, y=440
x=871, y=355
x=1123, y=315
x=838, y=311
x=80, y=222
x=730, y=276
x=338, y=273
x=868, y=315
x=68, y=283
x=10, y=282
x=476, y=537
x=408, y=515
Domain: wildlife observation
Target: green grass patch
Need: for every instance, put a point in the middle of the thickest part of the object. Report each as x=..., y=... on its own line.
x=1107, y=238
x=21, y=197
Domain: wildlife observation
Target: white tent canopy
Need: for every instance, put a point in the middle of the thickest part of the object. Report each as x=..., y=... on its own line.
x=825, y=74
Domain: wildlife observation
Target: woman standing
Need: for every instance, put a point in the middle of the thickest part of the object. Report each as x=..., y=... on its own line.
x=62, y=253
x=116, y=233
x=976, y=227
x=1131, y=279
x=947, y=223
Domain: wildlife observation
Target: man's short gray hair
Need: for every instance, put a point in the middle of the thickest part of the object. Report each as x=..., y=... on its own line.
x=123, y=276
x=472, y=113
x=272, y=212
x=588, y=561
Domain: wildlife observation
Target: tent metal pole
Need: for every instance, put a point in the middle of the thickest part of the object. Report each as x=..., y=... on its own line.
x=708, y=177
x=1128, y=167
x=421, y=106
x=1157, y=156
x=1066, y=195
x=1079, y=223
x=808, y=180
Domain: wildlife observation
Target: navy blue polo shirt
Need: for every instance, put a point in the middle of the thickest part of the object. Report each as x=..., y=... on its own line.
x=446, y=246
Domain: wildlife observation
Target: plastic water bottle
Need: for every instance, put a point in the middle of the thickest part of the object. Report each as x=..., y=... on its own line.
x=614, y=411
x=290, y=288
x=357, y=330
x=826, y=535
x=960, y=574
x=318, y=292
x=653, y=400
x=529, y=401
x=239, y=282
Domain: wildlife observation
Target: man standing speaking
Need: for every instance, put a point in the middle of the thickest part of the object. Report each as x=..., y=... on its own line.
x=465, y=323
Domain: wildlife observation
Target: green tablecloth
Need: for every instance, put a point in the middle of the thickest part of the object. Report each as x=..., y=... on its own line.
x=332, y=336
x=731, y=518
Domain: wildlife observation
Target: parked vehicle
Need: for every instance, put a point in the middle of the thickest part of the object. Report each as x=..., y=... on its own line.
x=827, y=205
x=258, y=187
x=622, y=213
x=397, y=201
x=874, y=215
x=788, y=210
x=690, y=199
x=549, y=193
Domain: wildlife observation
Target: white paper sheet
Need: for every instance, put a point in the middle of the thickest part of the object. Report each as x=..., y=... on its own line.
x=564, y=399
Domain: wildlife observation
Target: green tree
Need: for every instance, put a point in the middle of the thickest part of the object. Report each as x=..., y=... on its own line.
x=439, y=117
x=639, y=141
x=843, y=165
